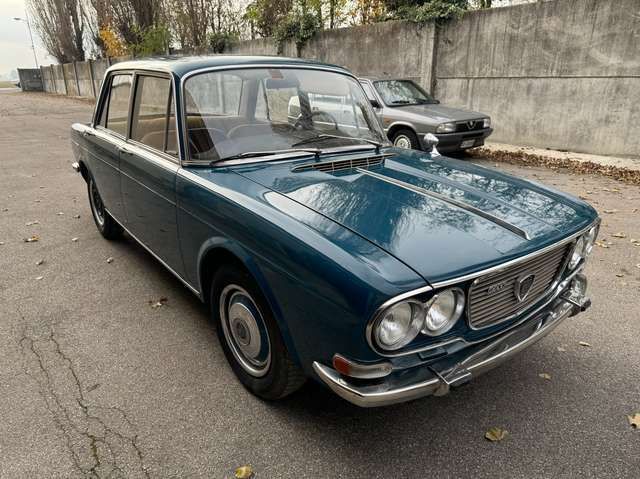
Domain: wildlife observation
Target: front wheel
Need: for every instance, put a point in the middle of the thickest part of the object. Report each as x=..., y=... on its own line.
x=406, y=139
x=106, y=225
x=250, y=337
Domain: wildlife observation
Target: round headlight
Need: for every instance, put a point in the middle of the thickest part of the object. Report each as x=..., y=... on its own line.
x=444, y=310
x=578, y=252
x=399, y=325
x=589, y=240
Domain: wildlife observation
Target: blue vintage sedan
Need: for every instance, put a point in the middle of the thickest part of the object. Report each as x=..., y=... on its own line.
x=322, y=251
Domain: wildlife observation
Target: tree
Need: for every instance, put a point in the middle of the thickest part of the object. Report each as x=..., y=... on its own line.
x=61, y=25
x=189, y=20
x=426, y=10
x=264, y=16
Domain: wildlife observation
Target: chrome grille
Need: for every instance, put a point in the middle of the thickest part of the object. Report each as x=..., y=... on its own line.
x=331, y=166
x=492, y=298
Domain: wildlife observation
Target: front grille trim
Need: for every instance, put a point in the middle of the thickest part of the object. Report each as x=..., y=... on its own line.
x=485, y=310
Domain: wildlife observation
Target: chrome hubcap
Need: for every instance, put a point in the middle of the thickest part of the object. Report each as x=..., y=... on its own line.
x=97, y=207
x=245, y=331
x=402, y=141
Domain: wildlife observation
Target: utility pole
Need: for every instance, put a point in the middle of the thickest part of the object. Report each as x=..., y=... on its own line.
x=26, y=20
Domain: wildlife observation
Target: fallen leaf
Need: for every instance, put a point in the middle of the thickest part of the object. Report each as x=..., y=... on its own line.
x=38, y=278
x=620, y=275
x=619, y=235
x=495, y=434
x=109, y=260
x=610, y=211
x=584, y=343
x=76, y=216
x=159, y=303
x=93, y=388
x=244, y=472
x=602, y=244
x=39, y=262
x=32, y=239
x=637, y=266
x=75, y=240
x=5, y=209
x=31, y=223
x=2, y=242
x=545, y=376
x=60, y=213
x=634, y=420
x=561, y=349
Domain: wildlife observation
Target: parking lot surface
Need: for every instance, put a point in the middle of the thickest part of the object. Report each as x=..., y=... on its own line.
x=97, y=382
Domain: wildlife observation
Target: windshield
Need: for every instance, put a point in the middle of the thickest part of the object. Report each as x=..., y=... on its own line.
x=244, y=112
x=402, y=92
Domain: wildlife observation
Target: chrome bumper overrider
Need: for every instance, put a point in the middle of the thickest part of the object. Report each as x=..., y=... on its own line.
x=454, y=370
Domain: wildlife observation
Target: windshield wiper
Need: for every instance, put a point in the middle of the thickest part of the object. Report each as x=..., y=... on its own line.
x=257, y=154
x=401, y=102
x=326, y=136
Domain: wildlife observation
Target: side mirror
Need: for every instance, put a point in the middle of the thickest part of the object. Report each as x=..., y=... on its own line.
x=430, y=141
x=374, y=103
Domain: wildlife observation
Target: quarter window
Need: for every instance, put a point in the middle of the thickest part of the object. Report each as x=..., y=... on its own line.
x=117, y=108
x=152, y=109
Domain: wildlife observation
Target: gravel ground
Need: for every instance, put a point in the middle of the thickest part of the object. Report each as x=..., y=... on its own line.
x=94, y=382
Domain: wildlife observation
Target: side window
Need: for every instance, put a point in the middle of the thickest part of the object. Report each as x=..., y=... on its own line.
x=368, y=91
x=151, y=110
x=117, y=106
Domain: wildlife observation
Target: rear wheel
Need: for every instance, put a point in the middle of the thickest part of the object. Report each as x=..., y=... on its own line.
x=106, y=225
x=250, y=337
x=405, y=138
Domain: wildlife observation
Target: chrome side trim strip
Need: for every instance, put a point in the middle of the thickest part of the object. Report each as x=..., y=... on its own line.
x=150, y=251
x=460, y=204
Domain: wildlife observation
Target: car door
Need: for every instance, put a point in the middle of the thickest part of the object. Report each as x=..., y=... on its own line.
x=106, y=139
x=149, y=163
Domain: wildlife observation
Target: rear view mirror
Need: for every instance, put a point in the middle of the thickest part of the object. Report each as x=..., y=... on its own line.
x=281, y=83
x=430, y=141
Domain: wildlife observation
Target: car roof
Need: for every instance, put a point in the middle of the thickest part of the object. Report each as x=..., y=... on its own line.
x=180, y=66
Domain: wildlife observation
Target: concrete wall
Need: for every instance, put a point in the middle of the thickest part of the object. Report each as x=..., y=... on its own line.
x=560, y=74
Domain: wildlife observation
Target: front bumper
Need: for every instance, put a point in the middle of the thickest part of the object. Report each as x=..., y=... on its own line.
x=463, y=140
x=450, y=371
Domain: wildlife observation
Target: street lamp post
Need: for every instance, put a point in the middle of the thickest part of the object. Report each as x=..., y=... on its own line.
x=26, y=20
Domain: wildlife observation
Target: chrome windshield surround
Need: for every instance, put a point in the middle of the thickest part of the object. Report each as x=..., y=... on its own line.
x=446, y=199
x=186, y=160
x=553, y=293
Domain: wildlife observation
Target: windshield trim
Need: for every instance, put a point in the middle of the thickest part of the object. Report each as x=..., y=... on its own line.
x=431, y=99
x=186, y=160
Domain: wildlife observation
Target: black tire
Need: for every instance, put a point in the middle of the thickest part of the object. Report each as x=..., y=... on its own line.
x=404, y=137
x=267, y=374
x=107, y=226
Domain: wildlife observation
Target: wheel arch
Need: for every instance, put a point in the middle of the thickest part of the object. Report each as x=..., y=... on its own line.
x=394, y=127
x=84, y=171
x=219, y=251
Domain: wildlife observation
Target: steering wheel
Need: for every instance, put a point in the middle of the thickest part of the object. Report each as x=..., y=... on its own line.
x=300, y=120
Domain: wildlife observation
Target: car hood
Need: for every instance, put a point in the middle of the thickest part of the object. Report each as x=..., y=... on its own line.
x=440, y=113
x=441, y=217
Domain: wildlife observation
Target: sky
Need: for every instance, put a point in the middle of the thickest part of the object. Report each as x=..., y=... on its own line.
x=15, y=46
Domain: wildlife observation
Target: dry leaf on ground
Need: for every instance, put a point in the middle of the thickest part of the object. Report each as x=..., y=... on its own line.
x=32, y=239
x=39, y=262
x=584, y=343
x=38, y=278
x=75, y=240
x=610, y=211
x=244, y=472
x=496, y=434
x=602, y=244
x=31, y=223
x=634, y=420
x=159, y=303
x=545, y=376
x=109, y=260
x=619, y=235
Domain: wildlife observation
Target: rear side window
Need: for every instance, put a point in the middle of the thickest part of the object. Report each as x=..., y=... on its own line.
x=152, y=110
x=117, y=106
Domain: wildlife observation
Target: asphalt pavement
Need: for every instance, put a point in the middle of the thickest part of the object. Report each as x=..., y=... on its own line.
x=96, y=382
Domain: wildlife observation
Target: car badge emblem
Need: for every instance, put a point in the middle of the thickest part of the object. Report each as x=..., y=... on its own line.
x=523, y=286
x=471, y=124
